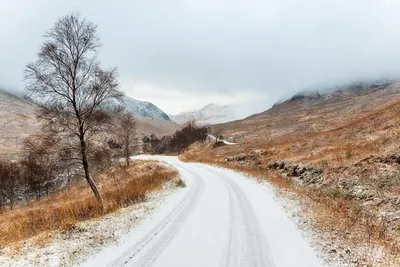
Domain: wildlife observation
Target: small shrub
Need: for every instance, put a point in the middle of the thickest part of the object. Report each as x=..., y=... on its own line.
x=180, y=183
x=334, y=193
x=349, y=154
x=390, y=181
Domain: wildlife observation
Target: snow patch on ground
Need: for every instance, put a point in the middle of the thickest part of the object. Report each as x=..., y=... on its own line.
x=71, y=248
x=223, y=141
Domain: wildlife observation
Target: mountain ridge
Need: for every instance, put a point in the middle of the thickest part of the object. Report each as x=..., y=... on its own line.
x=144, y=109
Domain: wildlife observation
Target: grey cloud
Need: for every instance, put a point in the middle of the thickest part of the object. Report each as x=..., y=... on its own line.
x=270, y=48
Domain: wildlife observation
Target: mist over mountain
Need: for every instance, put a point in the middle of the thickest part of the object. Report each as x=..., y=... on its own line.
x=282, y=47
x=328, y=90
x=214, y=114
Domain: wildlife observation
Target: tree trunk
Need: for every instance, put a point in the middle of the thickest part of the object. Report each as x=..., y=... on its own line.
x=127, y=152
x=88, y=176
x=127, y=159
x=26, y=193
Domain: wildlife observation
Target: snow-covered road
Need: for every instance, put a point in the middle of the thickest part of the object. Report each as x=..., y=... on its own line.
x=212, y=137
x=221, y=218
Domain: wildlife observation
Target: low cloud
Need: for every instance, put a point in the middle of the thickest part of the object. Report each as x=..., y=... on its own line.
x=183, y=54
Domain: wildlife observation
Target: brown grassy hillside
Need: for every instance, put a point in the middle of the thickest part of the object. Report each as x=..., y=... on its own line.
x=120, y=186
x=340, y=152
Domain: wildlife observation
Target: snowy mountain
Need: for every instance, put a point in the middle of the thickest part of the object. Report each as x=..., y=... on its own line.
x=150, y=119
x=210, y=114
x=144, y=109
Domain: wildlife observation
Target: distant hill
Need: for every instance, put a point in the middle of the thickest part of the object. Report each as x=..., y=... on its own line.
x=150, y=118
x=144, y=109
x=18, y=120
x=213, y=114
x=310, y=112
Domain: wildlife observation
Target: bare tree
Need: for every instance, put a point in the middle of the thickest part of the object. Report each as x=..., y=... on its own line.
x=146, y=144
x=42, y=162
x=35, y=177
x=74, y=90
x=126, y=133
x=178, y=142
x=9, y=181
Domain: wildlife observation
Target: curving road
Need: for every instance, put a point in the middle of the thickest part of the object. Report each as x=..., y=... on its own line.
x=220, y=219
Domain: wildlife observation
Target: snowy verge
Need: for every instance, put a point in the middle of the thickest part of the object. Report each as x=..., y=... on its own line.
x=332, y=251
x=223, y=141
x=71, y=248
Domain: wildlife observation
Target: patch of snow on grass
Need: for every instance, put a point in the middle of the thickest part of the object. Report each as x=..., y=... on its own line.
x=71, y=248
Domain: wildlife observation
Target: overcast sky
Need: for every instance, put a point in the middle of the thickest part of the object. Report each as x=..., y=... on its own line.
x=183, y=54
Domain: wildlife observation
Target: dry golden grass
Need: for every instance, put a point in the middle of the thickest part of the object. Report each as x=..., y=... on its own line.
x=345, y=219
x=338, y=135
x=335, y=134
x=339, y=217
x=60, y=211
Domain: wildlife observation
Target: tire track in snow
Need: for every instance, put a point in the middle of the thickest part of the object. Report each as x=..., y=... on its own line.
x=246, y=244
x=146, y=250
x=215, y=221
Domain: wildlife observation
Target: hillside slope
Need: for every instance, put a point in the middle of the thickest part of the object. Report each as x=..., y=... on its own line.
x=302, y=115
x=144, y=109
x=339, y=153
x=18, y=121
x=150, y=118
